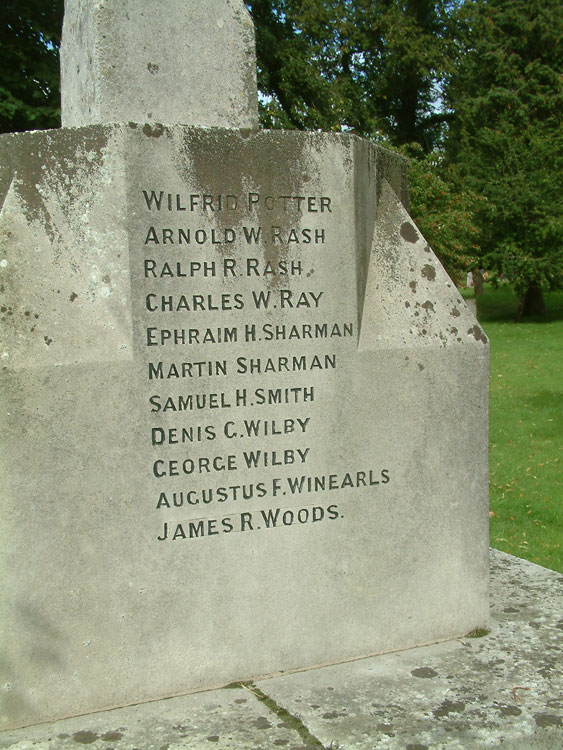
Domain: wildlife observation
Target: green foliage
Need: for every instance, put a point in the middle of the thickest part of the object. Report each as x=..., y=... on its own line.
x=294, y=94
x=445, y=216
x=29, y=78
x=371, y=68
x=506, y=140
x=478, y=633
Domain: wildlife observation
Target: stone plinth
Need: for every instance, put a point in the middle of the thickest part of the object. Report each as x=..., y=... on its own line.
x=500, y=689
x=236, y=384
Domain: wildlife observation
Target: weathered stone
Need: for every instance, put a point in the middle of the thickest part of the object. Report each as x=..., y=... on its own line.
x=509, y=699
x=234, y=375
x=237, y=383
x=172, y=61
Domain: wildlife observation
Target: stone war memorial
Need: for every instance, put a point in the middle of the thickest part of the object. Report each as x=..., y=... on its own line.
x=244, y=408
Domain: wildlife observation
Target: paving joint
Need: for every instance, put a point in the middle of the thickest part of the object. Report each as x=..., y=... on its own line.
x=290, y=720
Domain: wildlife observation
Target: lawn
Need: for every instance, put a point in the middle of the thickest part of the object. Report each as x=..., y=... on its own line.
x=526, y=427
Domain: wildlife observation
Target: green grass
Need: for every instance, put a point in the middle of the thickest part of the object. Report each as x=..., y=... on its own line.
x=526, y=427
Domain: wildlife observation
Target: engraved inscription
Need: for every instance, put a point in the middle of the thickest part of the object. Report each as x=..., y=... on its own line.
x=242, y=342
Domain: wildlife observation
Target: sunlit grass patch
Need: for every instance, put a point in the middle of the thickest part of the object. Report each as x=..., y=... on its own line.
x=526, y=493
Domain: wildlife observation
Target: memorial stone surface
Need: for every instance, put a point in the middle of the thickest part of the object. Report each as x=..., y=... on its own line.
x=244, y=409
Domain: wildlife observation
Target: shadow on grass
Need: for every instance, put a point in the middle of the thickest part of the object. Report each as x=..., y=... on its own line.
x=549, y=401
x=499, y=305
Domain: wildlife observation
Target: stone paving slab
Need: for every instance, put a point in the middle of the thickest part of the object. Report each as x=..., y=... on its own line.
x=501, y=690
x=217, y=719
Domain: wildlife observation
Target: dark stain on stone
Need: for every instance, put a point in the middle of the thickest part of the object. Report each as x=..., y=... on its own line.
x=73, y=296
x=386, y=729
x=111, y=736
x=240, y=700
x=36, y=316
x=509, y=710
x=262, y=723
x=280, y=743
x=449, y=707
x=416, y=747
x=427, y=249
x=548, y=720
x=203, y=154
x=429, y=272
x=407, y=304
x=547, y=669
x=395, y=708
x=554, y=703
x=424, y=671
x=132, y=125
x=420, y=367
x=477, y=334
x=510, y=610
x=412, y=285
x=408, y=232
x=164, y=747
x=535, y=625
x=47, y=340
x=428, y=306
x=331, y=715
x=62, y=159
x=62, y=736
x=559, y=625
x=85, y=737
x=152, y=68
x=330, y=688
x=153, y=131
x=213, y=738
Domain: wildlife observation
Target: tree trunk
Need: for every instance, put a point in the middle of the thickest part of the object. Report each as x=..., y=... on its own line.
x=531, y=303
x=477, y=282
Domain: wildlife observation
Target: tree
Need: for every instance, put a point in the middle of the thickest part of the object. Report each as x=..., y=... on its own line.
x=374, y=68
x=30, y=33
x=506, y=140
x=293, y=92
x=446, y=216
